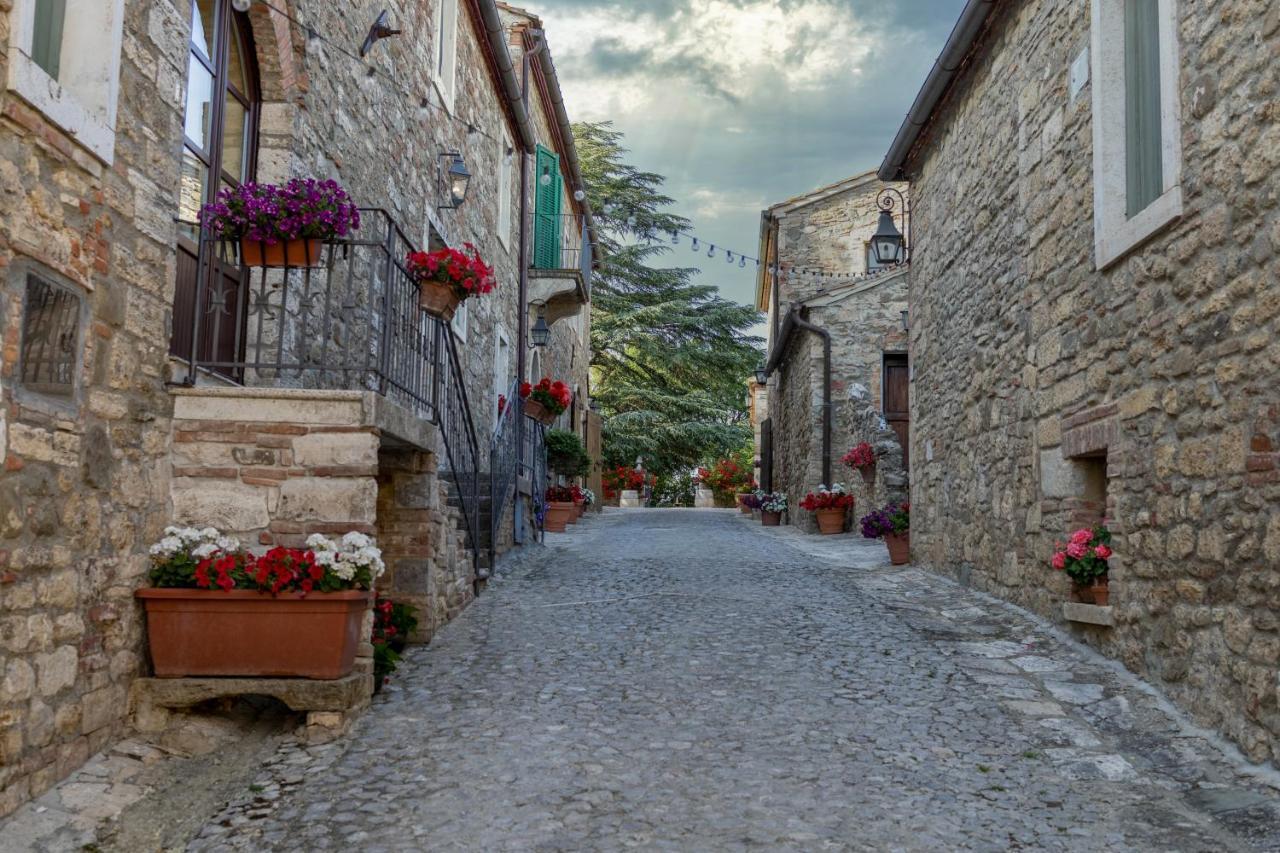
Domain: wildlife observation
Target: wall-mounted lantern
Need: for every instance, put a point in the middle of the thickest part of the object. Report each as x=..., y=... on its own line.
x=888, y=244
x=761, y=376
x=457, y=179
x=540, y=334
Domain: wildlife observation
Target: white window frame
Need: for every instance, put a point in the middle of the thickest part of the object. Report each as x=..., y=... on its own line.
x=501, y=370
x=461, y=318
x=1115, y=234
x=445, y=59
x=82, y=101
x=506, y=155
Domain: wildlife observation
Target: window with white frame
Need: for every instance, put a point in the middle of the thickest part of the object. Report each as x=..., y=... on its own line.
x=459, y=321
x=1137, y=155
x=501, y=368
x=67, y=66
x=446, y=54
x=505, y=156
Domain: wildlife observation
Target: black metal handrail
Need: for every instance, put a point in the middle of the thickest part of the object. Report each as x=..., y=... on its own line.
x=504, y=462
x=353, y=322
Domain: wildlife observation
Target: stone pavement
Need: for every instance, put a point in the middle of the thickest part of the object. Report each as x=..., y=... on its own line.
x=687, y=680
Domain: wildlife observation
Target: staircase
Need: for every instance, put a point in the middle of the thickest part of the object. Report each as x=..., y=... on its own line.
x=483, y=509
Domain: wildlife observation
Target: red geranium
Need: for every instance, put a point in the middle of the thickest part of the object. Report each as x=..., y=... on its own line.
x=555, y=396
x=861, y=456
x=465, y=271
x=560, y=494
x=824, y=498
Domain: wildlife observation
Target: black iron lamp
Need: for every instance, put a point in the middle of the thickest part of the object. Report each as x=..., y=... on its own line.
x=888, y=243
x=761, y=376
x=540, y=334
x=457, y=178
x=381, y=29
x=905, y=324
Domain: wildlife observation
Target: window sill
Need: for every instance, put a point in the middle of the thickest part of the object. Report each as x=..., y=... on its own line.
x=82, y=124
x=1115, y=237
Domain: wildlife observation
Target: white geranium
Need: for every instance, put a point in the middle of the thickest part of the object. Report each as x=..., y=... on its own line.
x=206, y=550
x=354, y=541
x=318, y=543
x=167, y=547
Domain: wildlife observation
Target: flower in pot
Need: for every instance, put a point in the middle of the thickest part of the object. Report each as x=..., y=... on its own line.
x=863, y=460
x=892, y=523
x=728, y=479
x=214, y=608
x=281, y=226
x=545, y=401
x=830, y=506
x=751, y=500
x=1084, y=559
x=560, y=508
x=772, y=506
x=446, y=277
x=588, y=498
x=393, y=623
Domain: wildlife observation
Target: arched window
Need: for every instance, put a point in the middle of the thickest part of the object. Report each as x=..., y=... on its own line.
x=219, y=149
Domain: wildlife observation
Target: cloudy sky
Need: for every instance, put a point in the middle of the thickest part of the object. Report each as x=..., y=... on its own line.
x=743, y=103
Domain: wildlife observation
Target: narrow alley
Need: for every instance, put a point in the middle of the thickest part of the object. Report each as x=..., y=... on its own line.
x=687, y=680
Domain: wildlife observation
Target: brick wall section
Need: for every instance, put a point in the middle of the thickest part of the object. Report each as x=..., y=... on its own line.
x=1029, y=362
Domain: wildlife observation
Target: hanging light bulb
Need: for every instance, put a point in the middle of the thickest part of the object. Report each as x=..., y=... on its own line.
x=742, y=262
x=424, y=108
x=313, y=42
x=675, y=238
x=545, y=177
x=728, y=257
x=579, y=195
x=694, y=244
x=711, y=253
x=241, y=5
x=608, y=208
x=370, y=79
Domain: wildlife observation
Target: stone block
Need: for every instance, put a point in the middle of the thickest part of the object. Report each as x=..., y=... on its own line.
x=100, y=708
x=335, y=448
x=269, y=406
x=1058, y=477
x=56, y=670
x=299, y=694
x=1089, y=614
x=224, y=504
x=345, y=499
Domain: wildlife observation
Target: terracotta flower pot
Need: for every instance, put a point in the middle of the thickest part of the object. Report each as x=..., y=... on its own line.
x=1084, y=592
x=770, y=519
x=899, y=547
x=201, y=632
x=742, y=507
x=868, y=473
x=282, y=253
x=539, y=412
x=1101, y=591
x=576, y=514
x=830, y=521
x=558, y=513
x=438, y=299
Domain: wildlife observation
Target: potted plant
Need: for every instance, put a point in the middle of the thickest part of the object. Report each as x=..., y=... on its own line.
x=559, y=508
x=830, y=506
x=566, y=454
x=863, y=460
x=1084, y=559
x=545, y=401
x=281, y=226
x=393, y=622
x=772, y=506
x=891, y=523
x=215, y=608
x=446, y=277
x=751, y=501
x=588, y=498
x=728, y=478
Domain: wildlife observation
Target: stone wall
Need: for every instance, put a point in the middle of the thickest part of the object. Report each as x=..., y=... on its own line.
x=796, y=412
x=1045, y=390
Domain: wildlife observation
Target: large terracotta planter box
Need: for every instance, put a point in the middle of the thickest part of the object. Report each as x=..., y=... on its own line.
x=198, y=632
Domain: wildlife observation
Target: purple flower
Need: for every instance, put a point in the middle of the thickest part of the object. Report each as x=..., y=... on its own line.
x=301, y=208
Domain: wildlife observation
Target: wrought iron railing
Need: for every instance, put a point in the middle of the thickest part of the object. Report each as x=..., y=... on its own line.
x=352, y=322
x=504, y=463
x=574, y=257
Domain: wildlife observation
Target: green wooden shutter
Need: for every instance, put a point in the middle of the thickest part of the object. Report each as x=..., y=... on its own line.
x=546, y=212
x=46, y=42
x=1144, y=173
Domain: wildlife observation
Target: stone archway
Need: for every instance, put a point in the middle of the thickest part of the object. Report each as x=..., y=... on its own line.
x=281, y=48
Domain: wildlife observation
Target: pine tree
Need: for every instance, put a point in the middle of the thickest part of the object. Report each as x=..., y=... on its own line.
x=671, y=357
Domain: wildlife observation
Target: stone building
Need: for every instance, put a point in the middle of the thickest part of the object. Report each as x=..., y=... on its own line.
x=1095, y=324
x=145, y=379
x=837, y=347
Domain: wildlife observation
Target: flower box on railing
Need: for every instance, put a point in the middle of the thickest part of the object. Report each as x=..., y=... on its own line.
x=281, y=226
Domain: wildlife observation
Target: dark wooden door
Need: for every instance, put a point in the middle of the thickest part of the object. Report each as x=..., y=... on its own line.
x=897, y=406
x=220, y=146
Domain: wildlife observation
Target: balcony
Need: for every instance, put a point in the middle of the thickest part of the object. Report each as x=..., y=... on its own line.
x=560, y=274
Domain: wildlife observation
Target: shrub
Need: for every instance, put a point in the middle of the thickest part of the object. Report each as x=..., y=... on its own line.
x=566, y=455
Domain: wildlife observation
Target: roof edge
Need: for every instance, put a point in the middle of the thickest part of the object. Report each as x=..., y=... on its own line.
x=941, y=75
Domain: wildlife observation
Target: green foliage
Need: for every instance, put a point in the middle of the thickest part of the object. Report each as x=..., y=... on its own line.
x=670, y=358
x=673, y=490
x=393, y=623
x=566, y=454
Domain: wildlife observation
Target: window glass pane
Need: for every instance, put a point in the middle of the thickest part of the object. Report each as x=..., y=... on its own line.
x=191, y=184
x=46, y=42
x=199, y=103
x=202, y=26
x=1143, y=149
x=235, y=68
x=234, y=124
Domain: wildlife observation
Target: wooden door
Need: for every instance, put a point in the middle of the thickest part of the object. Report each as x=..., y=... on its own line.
x=897, y=406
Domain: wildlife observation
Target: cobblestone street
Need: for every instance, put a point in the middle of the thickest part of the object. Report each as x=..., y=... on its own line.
x=687, y=680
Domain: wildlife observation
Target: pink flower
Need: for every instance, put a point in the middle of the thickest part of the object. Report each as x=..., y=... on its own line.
x=1077, y=550
x=1082, y=536
x=1102, y=552
x=1060, y=560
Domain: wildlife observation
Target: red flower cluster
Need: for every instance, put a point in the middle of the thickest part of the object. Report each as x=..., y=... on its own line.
x=823, y=499
x=384, y=629
x=278, y=570
x=562, y=494
x=556, y=396
x=726, y=477
x=465, y=272
x=860, y=456
x=1084, y=557
x=622, y=479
